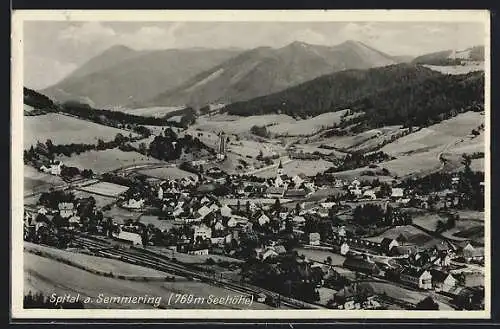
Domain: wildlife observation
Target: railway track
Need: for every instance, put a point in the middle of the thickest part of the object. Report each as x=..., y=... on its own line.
x=146, y=259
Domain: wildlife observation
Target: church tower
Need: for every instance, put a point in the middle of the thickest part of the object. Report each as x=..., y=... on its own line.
x=280, y=169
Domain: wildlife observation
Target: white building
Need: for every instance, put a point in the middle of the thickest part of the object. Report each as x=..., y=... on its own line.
x=344, y=249
x=134, y=204
x=419, y=278
x=66, y=209
x=397, y=192
x=129, y=236
x=263, y=219
x=202, y=231
x=225, y=211
x=203, y=251
x=314, y=239
x=204, y=211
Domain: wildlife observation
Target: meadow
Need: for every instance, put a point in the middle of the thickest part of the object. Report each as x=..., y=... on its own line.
x=35, y=181
x=166, y=173
x=63, y=129
x=106, y=160
x=105, y=188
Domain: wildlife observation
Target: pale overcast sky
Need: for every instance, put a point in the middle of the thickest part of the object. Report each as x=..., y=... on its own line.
x=53, y=49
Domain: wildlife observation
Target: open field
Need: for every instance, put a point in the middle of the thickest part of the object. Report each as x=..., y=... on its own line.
x=120, y=215
x=98, y=263
x=160, y=224
x=107, y=160
x=63, y=129
x=35, y=181
x=438, y=136
x=321, y=255
x=365, y=140
x=100, y=200
x=428, y=221
x=413, y=234
x=307, y=127
x=295, y=167
x=238, y=125
x=105, y=188
x=166, y=173
x=401, y=293
x=252, y=148
x=157, y=111
x=358, y=174
x=193, y=259
x=456, y=69
x=39, y=274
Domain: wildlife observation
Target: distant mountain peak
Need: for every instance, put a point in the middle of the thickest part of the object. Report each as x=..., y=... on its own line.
x=118, y=48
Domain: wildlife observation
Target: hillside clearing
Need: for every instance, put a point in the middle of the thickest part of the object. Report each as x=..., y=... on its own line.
x=436, y=136
x=238, y=125
x=167, y=173
x=106, y=160
x=35, y=181
x=156, y=111
x=307, y=127
x=105, y=188
x=456, y=69
x=63, y=129
x=295, y=167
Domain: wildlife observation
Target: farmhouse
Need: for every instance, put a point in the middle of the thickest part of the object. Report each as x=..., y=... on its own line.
x=417, y=277
x=387, y=245
x=442, y=281
x=54, y=168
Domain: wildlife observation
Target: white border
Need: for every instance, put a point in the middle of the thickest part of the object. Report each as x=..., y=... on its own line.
x=17, y=312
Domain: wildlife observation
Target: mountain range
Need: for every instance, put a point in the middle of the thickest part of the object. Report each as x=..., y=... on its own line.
x=122, y=76
x=266, y=70
x=451, y=57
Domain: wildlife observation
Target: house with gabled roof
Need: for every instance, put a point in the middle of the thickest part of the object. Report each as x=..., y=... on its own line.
x=417, y=277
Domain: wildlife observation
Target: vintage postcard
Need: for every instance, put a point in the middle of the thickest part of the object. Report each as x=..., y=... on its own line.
x=251, y=164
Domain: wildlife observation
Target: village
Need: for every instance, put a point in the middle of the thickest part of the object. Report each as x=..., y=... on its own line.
x=281, y=234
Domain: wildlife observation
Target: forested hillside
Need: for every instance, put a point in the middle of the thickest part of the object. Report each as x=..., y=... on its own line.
x=397, y=94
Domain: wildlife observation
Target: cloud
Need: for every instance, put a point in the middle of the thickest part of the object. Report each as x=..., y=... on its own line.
x=86, y=33
x=41, y=72
x=63, y=45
